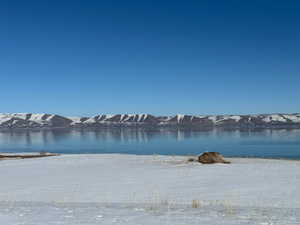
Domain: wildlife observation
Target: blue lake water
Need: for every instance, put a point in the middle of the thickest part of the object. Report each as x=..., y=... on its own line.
x=260, y=143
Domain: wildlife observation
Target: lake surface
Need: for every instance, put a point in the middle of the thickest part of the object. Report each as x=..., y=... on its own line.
x=261, y=143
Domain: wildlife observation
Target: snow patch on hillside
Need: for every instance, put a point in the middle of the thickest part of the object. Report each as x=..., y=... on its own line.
x=25, y=120
x=274, y=118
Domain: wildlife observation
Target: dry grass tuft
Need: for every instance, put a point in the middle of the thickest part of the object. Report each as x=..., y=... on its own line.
x=196, y=204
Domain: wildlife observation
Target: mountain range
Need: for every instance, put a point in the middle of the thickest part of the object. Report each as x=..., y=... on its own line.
x=30, y=120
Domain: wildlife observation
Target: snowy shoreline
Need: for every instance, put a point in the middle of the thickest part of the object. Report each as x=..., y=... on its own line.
x=184, y=157
x=131, y=187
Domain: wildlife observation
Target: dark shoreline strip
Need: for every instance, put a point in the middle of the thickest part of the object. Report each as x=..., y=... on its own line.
x=26, y=156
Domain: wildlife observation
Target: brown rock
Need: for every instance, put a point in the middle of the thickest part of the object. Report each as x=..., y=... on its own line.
x=211, y=157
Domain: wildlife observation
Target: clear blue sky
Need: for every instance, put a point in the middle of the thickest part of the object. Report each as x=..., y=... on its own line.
x=159, y=57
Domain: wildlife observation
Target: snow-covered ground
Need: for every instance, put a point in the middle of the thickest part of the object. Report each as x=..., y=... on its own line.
x=130, y=189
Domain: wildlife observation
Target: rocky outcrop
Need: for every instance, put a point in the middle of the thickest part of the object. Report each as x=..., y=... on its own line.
x=211, y=157
x=29, y=120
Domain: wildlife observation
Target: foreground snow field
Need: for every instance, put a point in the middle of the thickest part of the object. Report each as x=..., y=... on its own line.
x=130, y=189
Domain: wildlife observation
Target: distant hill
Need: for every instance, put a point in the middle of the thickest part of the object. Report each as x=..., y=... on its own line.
x=29, y=120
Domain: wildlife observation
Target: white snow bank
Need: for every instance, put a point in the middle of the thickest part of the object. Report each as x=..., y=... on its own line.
x=140, y=183
x=81, y=178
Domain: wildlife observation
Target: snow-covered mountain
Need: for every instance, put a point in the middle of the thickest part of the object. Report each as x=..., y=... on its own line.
x=29, y=120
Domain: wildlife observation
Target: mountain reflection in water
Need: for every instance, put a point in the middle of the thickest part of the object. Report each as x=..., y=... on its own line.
x=259, y=143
